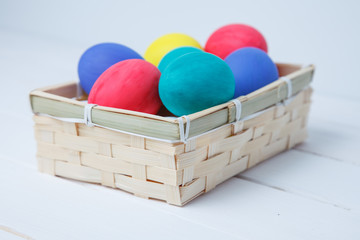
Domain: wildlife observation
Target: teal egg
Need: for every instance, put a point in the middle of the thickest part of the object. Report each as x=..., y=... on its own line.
x=194, y=82
x=174, y=54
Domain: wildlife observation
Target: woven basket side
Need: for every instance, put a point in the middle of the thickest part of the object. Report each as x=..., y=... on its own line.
x=250, y=142
x=176, y=173
x=109, y=158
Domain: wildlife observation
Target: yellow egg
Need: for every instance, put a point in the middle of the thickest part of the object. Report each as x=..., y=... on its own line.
x=161, y=46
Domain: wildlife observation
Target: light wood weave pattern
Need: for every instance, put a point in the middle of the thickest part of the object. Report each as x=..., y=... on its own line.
x=175, y=173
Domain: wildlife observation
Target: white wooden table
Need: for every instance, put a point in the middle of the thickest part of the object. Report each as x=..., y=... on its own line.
x=310, y=192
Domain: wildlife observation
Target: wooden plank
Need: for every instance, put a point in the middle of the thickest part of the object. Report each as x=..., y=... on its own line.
x=18, y=141
x=11, y=234
x=334, y=135
x=51, y=200
x=264, y=212
x=311, y=176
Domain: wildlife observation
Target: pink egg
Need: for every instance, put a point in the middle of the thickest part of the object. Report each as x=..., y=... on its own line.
x=231, y=37
x=129, y=84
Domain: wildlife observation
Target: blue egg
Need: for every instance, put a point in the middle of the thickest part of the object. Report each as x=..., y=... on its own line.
x=194, y=82
x=174, y=54
x=100, y=57
x=252, y=69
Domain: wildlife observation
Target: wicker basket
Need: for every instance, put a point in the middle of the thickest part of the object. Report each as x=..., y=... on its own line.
x=171, y=159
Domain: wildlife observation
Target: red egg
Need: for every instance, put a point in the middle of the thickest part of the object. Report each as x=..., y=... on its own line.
x=231, y=37
x=129, y=84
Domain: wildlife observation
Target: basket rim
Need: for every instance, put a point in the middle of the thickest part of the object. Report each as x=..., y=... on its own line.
x=275, y=92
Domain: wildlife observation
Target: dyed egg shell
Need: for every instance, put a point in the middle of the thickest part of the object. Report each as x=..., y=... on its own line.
x=231, y=37
x=174, y=54
x=194, y=82
x=161, y=46
x=100, y=57
x=252, y=69
x=130, y=84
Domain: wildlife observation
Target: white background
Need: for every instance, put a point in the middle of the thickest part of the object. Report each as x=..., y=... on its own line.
x=325, y=33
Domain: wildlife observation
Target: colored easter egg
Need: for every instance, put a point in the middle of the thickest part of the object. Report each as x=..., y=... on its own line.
x=173, y=54
x=231, y=37
x=252, y=69
x=130, y=84
x=100, y=57
x=161, y=46
x=194, y=82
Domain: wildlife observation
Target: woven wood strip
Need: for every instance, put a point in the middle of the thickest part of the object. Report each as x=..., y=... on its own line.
x=172, y=172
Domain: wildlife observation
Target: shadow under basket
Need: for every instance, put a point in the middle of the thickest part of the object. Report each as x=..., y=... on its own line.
x=170, y=159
